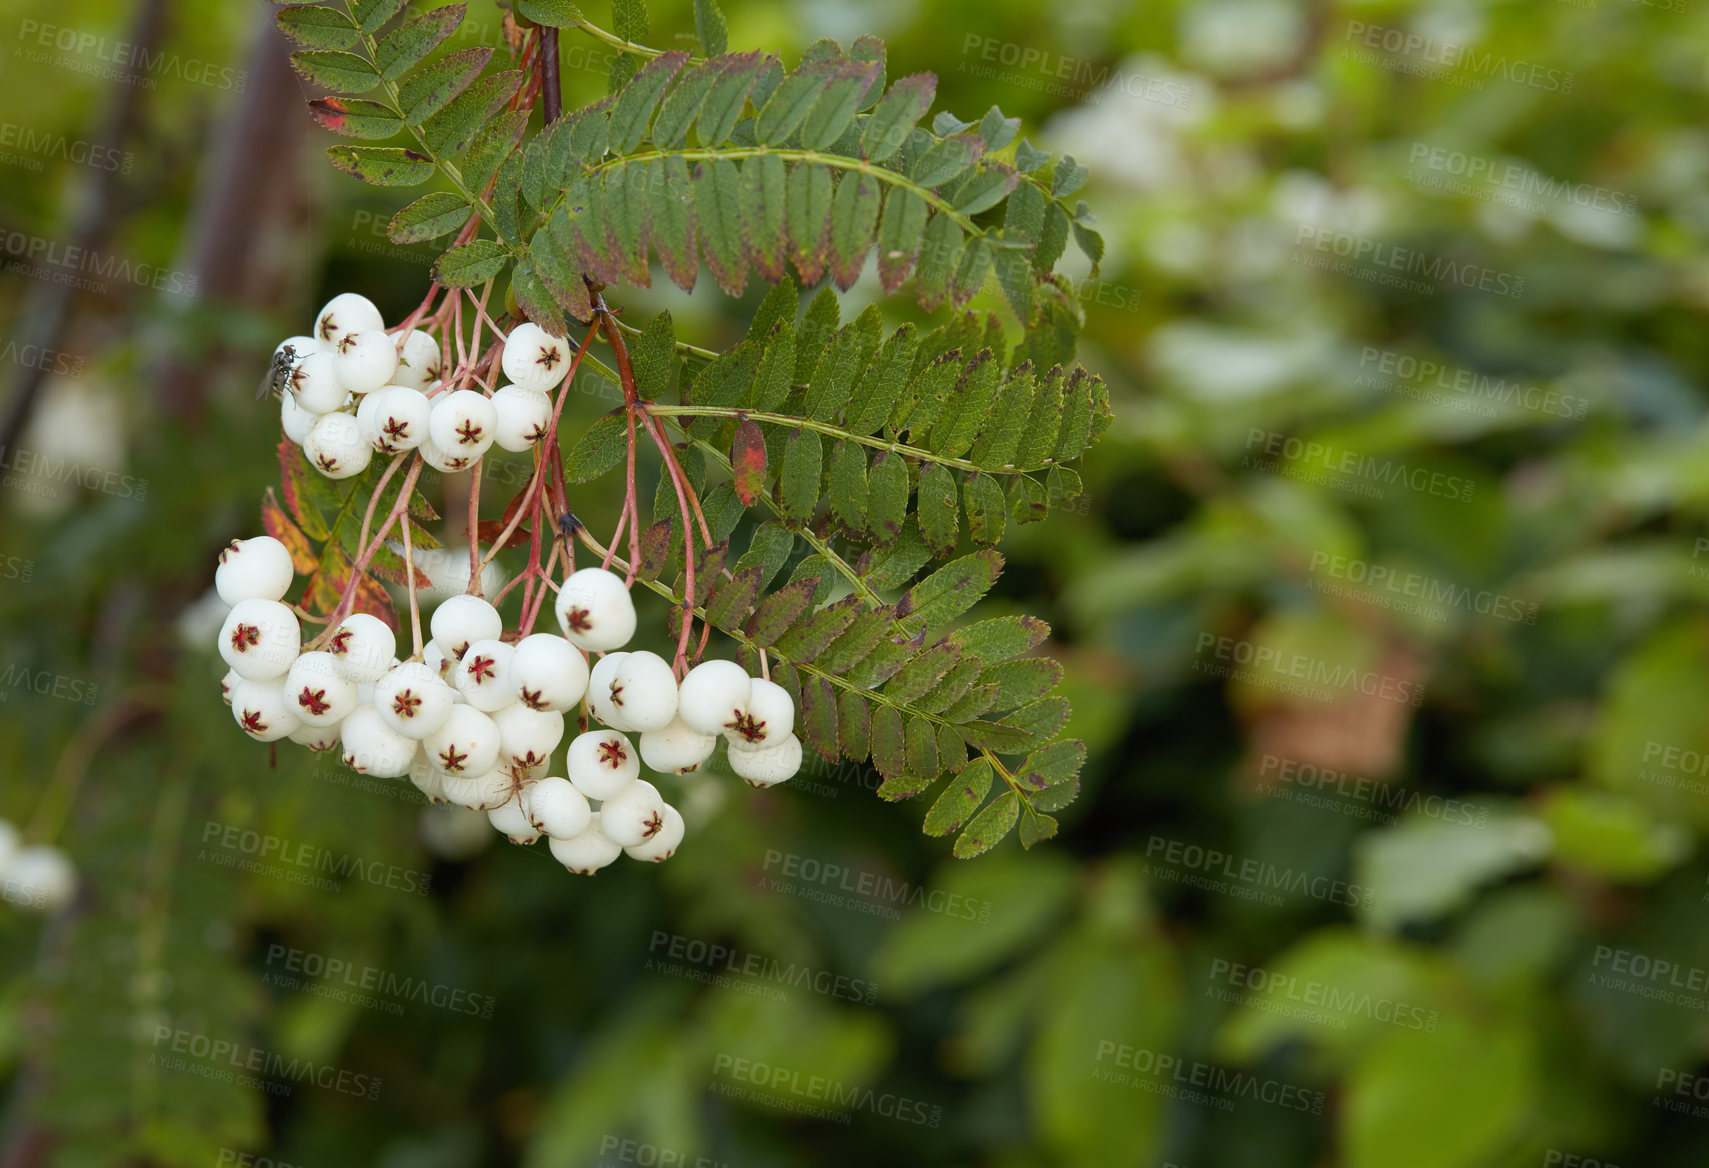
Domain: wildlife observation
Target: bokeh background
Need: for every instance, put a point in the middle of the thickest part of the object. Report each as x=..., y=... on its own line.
x=1383, y=617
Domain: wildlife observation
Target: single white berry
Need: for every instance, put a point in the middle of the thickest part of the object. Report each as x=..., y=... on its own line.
x=230, y=679
x=601, y=763
x=483, y=675
x=481, y=792
x=595, y=610
x=677, y=748
x=466, y=746
x=396, y=418
x=462, y=620
x=557, y=808
x=372, y=747
x=644, y=691
x=260, y=639
x=712, y=696
x=428, y=779
x=294, y=420
x=314, y=383
x=318, y=739
x=634, y=815
x=527, y=737
x=523, y=417
x=444, y=461
x=39, y=877
x=548, y=672
x=434, y=657
x=335, y=448
x=262, y=711
x=420, y=364
x=768, y=767
x=462, y=422
x=664, y=842
x=367, y=359
x=254, y=569
x=347, y=312
x=300, y=346
x=363, y=648
x=413, y=700
x=766, y=719
x=588, y=852
x=511, y=817
x=534, y=358
x=318, y=693
x=599, y=682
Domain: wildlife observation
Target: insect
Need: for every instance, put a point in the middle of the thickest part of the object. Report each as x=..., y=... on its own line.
x=278, y=374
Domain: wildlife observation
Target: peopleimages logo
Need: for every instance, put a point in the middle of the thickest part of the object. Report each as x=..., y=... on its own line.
x=251, y=1065
x=1519, y=179
x=1446, y=56
x=124, y=61
x=1276, y=450
x=1256, y=874
x=1465, y=389
x=1269, y=986
x=1153, y=1069
x=1403, y=263
x=1426, y=589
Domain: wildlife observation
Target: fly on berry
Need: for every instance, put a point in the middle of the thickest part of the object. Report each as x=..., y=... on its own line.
x=278, y=374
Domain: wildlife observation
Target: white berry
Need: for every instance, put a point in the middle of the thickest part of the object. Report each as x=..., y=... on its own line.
x=318, y=739
x=548, y=672
x=677, y=748
x=335, y=448
x=262, y=711
x=372, y=747
x=294, y=420
x=601, y=763
x=444, y=461
x=318, y=694
x=226, y=683
x=634, y=815
x=664, y=842
x=527, y=737
x=511, y=817
x=347, y=312
x=462, y=422
x=314, y=383
x=413, y=700
x=595, y=611
x=396, y=419
x=712, y=696
x=467, y=745
x=260, y=639
x=765, y=720
x=254, y=569
x=40, y=877
x=363, y=648
x=588, y=852
x=461, y=621
x=420, y=364
x=428, y=779
x=366, y=360
x=600, y=680
x=491, y=788
x=557, y=808
x=644, y=691
x=768, y=767
x=523, y=417
x=534, y=358
x=483, y=675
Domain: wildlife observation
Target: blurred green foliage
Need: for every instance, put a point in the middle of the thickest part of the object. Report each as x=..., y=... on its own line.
x=1383, y=616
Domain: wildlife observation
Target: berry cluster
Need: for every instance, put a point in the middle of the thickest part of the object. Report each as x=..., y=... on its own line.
x=37, y=876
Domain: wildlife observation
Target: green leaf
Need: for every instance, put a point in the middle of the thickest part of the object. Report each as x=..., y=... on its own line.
x=495, y=143
x=406, y=46
x=947, y=159
x=451, y=130
x=892, y=121
x=316, y=26
x=602, y=446
x=431, y=87
x=371, y=14
x=470, y=264
x=682, y=105
x=384, y=166
x=769, y=550
x=969, y=402
x=988, y=187
x=790, y=103
x=764, y=181
x=940, y=522
x=1037, y=444
x=728, y=97
x=854, y=726
x=918, y=676
x=626, y=216
x=905, y=785
x=834, y=111
x=654, y=358
x=926, y=395
x=882, y=382
x=887, y=496
x=1035, y=827
x=989, y=826
x=971, y=271
x=847, y=487
x=718, y=210
x=952, y=589
x=940, y=253
x=639, y=98
x=709, y=28
x=551, y=13
x=818, y=720
x=671, y=213
x=859, y=640
x=900, y=237
x=536, y=299
x=1068, y=178
x=339, y=72
x=1028, y=501
x=355, y=118
x=809, y=638
x=732, y=598
x=1076, y=431
x=997, y=131
x=921, y=748
x=798, y=477
x=834, y=377
x=807, y=209
x=960, y=799
x=553, y=265
x=888, y=741
x=1019, y=682
x=814, y=334
x=982, y=498
x=778, y=611
x=854, y=212
x=1091, y=243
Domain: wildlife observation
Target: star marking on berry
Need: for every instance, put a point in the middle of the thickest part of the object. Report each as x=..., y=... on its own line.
x=327, y=463
x=533, y=699
x=245, y=637
x=405, y=703
x=456, y=463
x=548, y=358
x=481, y=669
x=252, y=723
x=347, y=342
x=328, y=326
x=535, y=434
x=314, y=701
x=616, y=692
x=395, y=428
x=612, y=754
x=351, y=761
x=576, y=619
x=435, y=371
x=528, y=760
x=747, y=726
x=469, y=433
x=451, y=762
x=340, y=643
x=226, y=551
x=652, y=825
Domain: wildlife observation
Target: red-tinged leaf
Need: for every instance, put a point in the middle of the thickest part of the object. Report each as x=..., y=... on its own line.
x=490, y=529
x=748, y=462
x=819, y=717
x=355, y=118
x=277, y=524
x=295, y=482
x=372, y=598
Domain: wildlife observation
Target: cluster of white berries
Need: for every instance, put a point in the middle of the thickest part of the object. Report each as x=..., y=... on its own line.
x=476, y=721
x=352, y=390
x=36, y=876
